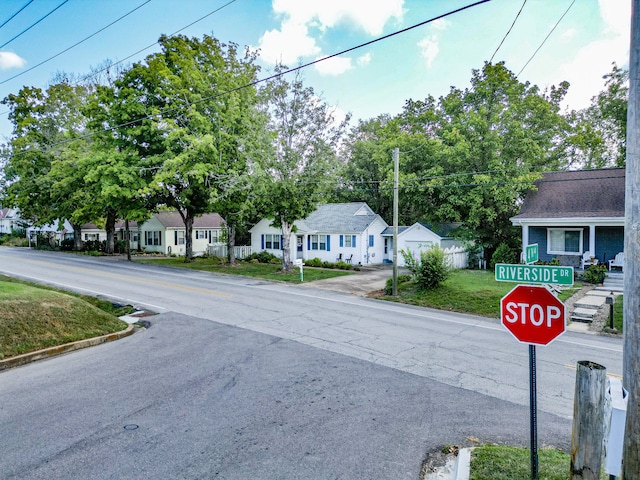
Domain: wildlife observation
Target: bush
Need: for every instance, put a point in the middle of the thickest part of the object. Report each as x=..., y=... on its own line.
x=430, y=271
x=313, y=262
x=343, y=265
x=262, y=257
x=67, y=244
x=595, y=274
x=504, y=254
x=388, y=287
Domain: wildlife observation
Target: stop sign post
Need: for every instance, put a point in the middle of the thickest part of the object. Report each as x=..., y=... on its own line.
x=533, y=315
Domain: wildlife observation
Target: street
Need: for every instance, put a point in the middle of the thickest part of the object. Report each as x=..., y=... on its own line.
x=240, y=377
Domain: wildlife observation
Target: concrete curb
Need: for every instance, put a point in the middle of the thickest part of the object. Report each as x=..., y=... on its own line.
x=60, y=349
x=463, y=464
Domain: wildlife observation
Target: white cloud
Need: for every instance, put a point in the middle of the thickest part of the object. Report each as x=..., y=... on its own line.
x=439, y=24
x=11, y=60
x=364, y=60
x=568, y=34
x=429, y=49
x=293, y=39
x=334, y=66
x=594, y=60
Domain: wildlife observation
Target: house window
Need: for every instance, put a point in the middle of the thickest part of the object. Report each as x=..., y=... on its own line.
x=152, y=238
x=179, y=237
x=371, y=240
x=564, y=241
x=272, y=241
x=319, y=242
x=133, y=236
x=347, y=240
x=91, y=236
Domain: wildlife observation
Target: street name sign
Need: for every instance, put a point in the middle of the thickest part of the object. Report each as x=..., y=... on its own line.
x=533, y=314
x=531, y=253
x=534, y=274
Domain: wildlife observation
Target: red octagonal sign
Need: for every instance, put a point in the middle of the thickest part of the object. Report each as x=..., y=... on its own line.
x=533, y=314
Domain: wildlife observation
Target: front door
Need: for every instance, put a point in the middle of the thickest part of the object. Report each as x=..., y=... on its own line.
x=299, y=241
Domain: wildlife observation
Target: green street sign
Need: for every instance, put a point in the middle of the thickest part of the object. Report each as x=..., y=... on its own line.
x=534, y=274
x=531, y=253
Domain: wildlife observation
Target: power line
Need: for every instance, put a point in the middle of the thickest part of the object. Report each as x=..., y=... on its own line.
x=508, y=31
x=15, y=14
x=545, y=38
x=33, y=24
x=75, y=44
x=93, y=74
x=276, y=75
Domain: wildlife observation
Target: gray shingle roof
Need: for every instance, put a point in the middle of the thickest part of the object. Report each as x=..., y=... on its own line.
x=172, y=219
x=352, y=217
x=577, y=194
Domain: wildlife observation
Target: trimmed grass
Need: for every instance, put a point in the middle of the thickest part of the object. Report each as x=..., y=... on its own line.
x=617, y=314
x=32, y=318
x=466, y=291
x=259, y=270
x=497, y=462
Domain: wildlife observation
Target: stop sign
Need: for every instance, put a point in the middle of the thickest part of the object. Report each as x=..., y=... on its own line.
x=533, y=314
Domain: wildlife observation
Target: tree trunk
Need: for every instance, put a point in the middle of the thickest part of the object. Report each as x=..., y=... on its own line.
x=188, y=237
x=110, y=227
x=77, y=238
x=127, y=240
x=231, y=243
x=139, y=237
x=287, y=266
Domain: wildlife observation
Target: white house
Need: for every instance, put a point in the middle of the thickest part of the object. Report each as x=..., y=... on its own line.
x=9, y=220
x=350, y=232
x=416, y=238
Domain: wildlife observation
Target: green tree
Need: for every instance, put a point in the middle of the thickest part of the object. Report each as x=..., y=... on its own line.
x=303, y=162
x=194, y=112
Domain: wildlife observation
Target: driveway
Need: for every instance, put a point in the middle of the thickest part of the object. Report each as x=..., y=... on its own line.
x=369, y=279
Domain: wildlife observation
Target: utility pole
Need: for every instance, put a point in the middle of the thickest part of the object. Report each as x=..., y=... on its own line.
x=631, y=308
x=396, y=168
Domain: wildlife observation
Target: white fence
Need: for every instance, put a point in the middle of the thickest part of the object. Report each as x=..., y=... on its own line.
x=221, y=251
x=457, y=257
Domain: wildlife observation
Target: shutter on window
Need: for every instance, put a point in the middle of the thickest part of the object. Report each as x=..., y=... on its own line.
x=175, y=236
x=308, y=242
x=328, y=243
x=262, y=242
x=353, y=241
x=281, y=244
x=342, y=240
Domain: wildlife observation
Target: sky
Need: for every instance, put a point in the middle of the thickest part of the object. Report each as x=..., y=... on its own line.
x=42, y=38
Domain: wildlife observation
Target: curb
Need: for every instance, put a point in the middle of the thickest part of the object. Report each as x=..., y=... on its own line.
x=60, y=349
x=463, y=464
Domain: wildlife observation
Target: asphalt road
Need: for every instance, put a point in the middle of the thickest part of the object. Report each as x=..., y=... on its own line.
x=239, y=377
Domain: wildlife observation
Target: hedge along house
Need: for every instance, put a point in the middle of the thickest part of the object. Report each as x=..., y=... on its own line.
x=349, y=232
x=575, y=212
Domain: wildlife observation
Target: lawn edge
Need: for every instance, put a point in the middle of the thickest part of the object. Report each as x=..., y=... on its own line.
x=25, y=358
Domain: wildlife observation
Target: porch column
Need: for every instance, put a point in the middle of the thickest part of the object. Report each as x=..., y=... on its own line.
x=592, y=240
x=525, y=236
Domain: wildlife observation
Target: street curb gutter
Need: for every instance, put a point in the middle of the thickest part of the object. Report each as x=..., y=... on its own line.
x=60, y=349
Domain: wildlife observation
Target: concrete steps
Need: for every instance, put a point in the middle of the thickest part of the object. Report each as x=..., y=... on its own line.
x=587, y=307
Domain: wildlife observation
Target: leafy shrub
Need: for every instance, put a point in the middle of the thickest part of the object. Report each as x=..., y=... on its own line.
x=430, y=270
x=327, y=264
x=504, y=254
x=595, y=274
x=343, y=265
x=67, y=244
x=262, y=257
x=388, y=287
x=313, y=262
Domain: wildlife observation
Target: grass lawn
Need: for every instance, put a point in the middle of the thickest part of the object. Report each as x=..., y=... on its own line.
x=33, y=318
x=260, y=270
x=466, y=291
x=497, y=462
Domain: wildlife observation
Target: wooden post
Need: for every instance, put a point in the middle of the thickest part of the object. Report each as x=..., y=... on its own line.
x=588, y=421
x=631, y=308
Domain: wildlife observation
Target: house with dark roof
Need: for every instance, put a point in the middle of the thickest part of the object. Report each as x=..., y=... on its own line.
x=572, y=214
x=349, y=232
x=165, y=233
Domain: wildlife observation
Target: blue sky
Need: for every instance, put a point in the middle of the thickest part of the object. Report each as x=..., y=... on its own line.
x=369, y=81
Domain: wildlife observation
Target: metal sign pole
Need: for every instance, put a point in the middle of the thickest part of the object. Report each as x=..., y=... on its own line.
x=534, y=412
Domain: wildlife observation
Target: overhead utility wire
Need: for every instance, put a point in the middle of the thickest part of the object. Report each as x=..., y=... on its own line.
x=291, y=70
x=15, y=14
x=33, y=24
x=276, y=75
x=93, y=74
x=545, y=38
x=508, y=31
x=75, y=44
